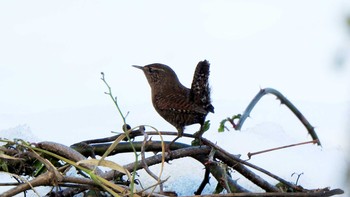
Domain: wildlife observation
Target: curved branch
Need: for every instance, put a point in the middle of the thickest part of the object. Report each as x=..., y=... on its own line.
x=285, y=101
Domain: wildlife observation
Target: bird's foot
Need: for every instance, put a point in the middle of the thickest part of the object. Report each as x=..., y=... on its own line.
x=198, y=139
x=168, y=148
x=167, y=153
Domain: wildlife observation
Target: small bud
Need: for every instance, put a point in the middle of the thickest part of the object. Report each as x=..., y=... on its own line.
x=126, y=127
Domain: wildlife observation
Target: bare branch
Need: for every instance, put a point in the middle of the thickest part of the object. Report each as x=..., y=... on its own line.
x=285, y=101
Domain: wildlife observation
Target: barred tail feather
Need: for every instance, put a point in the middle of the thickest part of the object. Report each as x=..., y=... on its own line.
x=200, y=90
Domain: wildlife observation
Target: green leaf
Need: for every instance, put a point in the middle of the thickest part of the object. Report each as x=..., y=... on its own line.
x=222, y=125
x=237, y=116
x=206, y=126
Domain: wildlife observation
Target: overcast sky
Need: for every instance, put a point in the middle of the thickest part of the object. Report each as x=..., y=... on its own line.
x=52, y=52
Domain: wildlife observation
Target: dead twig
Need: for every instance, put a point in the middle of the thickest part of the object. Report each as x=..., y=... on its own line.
x=144, y=164
x=282, y=147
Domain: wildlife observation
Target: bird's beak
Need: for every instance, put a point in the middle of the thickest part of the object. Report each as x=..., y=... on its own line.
x=139, y=67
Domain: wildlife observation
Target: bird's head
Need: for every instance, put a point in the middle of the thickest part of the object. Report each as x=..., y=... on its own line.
x=159, y=75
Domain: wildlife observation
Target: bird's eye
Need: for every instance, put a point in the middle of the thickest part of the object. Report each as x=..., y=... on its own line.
x=150, y=69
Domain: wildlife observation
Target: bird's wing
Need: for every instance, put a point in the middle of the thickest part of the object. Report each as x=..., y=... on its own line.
x=177, y=103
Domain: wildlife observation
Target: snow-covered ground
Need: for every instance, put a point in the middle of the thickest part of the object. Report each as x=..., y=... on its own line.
x=271, y=125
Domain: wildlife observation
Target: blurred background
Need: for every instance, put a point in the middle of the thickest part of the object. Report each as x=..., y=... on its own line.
x=52, y=53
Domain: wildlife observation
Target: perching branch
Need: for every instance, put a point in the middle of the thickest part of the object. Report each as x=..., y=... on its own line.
x=232, y=160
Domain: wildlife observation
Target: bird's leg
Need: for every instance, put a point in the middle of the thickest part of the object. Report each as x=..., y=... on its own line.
x=179, y=134
x=199, y=134
x=172, y=142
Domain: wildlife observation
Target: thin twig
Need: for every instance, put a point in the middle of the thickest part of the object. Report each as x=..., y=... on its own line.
x=296, y=182
x=153, y=186
x=144, y=164
x=282, y=147
x=132, y=184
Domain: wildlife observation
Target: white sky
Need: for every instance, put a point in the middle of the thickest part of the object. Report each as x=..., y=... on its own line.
x=52, y=53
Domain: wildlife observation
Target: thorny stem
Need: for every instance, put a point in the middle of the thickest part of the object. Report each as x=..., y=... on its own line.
x=126, y=133
x=285, y=101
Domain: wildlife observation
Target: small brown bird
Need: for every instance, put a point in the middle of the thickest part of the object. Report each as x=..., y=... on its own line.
x=178, y=105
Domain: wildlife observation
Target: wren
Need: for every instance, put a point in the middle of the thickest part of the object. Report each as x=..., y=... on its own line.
x=177, y=104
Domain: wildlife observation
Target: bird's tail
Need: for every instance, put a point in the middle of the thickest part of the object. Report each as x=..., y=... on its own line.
x=200, y=90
